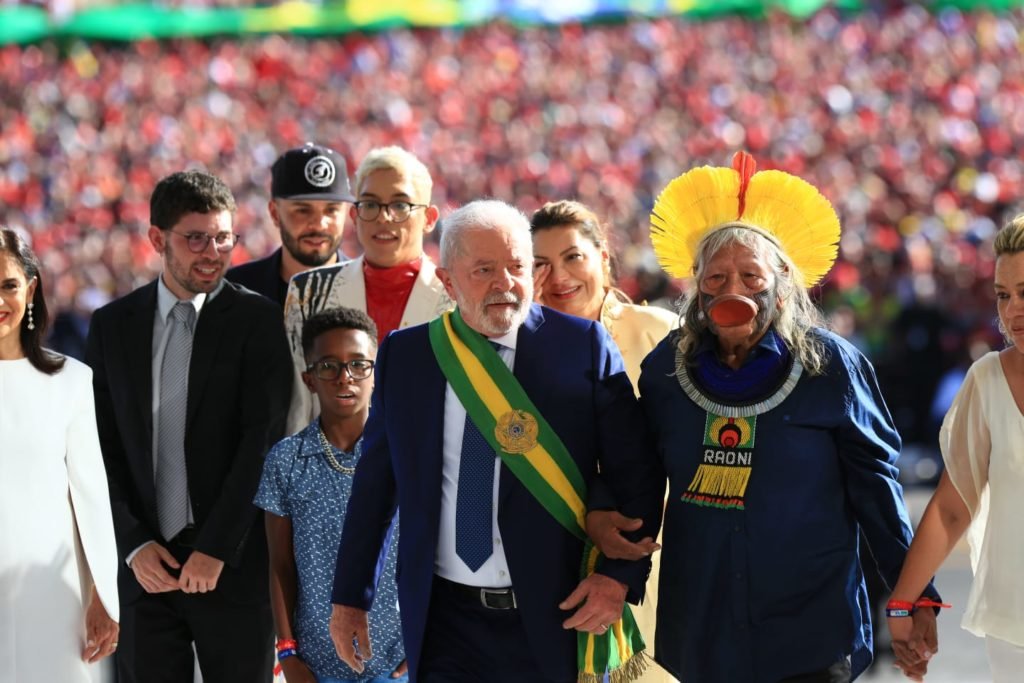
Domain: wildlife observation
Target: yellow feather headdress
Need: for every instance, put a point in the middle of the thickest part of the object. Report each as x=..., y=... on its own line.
x=786, y=207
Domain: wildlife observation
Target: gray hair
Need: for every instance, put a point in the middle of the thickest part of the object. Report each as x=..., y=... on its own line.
x=795, y=322
x=394, y=158
x=482, y=214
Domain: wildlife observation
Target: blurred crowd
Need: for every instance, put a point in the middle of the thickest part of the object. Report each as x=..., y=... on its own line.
x=911, y=123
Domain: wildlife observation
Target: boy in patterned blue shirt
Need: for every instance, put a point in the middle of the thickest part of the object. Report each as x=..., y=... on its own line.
x=306, y=484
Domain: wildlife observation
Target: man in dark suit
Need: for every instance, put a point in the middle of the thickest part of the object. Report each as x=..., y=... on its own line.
x=310, y=196
x=192, y=378
x=491, y=592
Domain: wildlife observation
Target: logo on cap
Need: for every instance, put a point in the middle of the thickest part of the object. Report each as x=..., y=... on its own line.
x=320, y=171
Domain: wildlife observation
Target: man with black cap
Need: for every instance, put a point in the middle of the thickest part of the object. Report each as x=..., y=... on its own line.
x=310, y=197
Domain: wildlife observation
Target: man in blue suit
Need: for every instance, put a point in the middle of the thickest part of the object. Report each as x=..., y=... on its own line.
x=488, y=581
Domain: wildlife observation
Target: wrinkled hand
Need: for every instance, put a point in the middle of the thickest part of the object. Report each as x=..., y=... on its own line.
x=148, y=565
x=602, y=598
x=296, y=671
x=915, y=641
x=100, y=630
x=605, y=529
x=200, y=573
x=540, y=276
x=402, y=669
x=350, y=631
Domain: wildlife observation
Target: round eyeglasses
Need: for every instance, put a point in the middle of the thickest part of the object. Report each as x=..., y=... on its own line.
x=330, y=370
x=369, y=209
x=199, y=241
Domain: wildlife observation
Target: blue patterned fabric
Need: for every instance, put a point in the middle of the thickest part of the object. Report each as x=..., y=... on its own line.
x=474, y=506
x=300, y=484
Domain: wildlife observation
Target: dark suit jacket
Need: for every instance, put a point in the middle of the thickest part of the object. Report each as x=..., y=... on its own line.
x=573, y=373
x=262, y=276
x=239, y=388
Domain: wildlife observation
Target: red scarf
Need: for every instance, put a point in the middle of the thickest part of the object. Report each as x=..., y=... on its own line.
x=387, y=291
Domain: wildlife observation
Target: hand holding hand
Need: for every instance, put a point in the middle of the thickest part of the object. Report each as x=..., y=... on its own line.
x=605, y=528
x=350, y=631
x=602, y=598
x=148, y=565
x=200, y=573
x=100, y=630
x=914, y=641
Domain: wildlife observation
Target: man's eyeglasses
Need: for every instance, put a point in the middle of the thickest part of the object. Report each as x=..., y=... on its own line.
x=369, y=209
x=198, y=241
x=330, y=370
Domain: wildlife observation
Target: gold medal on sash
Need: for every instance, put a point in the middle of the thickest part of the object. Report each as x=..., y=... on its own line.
x=516, y=431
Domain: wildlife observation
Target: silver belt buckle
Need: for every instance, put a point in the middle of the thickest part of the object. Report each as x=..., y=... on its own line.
x=484, y=592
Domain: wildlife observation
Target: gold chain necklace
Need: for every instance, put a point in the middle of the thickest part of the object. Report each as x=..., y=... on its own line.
x=328, y=450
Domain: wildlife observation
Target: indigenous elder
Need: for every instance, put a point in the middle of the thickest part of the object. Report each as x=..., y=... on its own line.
x=393, y=281
x=572, y=266
x=488, y=449
x=776, y=441
x=309, y=200
x=982, y=482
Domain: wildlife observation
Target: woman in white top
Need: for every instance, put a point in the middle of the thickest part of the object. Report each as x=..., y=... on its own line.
x=982, y=441
x=572, y=267
x=58, y=559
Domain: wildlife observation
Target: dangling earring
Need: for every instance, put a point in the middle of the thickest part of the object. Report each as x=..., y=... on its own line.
x=31, y=323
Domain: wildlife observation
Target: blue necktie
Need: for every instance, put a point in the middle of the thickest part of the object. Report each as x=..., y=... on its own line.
x=474, y=504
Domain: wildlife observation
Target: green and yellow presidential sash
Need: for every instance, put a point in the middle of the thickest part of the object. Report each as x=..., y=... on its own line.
x=531, y=449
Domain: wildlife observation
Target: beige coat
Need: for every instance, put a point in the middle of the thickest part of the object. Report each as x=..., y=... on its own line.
x=343, y=284
x=636, y=331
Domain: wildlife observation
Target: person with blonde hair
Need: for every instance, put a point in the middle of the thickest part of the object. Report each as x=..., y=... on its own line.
x=393, y=281
x=776, y=441
x=978, y=493
x=572, y=271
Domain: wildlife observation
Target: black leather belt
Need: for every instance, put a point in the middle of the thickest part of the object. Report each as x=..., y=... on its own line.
x=491, y=598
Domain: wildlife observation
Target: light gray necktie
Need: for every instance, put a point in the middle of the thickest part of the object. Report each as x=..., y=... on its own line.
x=171, y=475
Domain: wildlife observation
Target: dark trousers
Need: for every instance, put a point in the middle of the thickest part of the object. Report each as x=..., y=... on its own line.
x=234, y=640
x=466, y=642
x=837, y=673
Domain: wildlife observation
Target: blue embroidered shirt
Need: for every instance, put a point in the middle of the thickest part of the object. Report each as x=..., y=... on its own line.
x=300, y=484
x=760, y=572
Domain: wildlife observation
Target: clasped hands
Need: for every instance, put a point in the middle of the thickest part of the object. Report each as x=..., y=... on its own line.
x=915, y=641
x=199, y=574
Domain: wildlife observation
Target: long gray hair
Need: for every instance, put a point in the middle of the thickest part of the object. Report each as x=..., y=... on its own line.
x=794, y=321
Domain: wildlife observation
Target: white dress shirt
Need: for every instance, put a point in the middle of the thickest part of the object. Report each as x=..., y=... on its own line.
x=447, y=564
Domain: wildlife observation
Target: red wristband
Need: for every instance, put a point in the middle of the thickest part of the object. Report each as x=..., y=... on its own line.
x=287, y=645
x=928, y=602
x=899, y=604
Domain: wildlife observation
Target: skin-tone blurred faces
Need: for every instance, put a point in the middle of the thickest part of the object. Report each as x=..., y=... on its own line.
x=490, y=279
x=387, y=243
x=737, y=269
x=186, y=273
x=16, y=291
x=311, y=230
x=343, y=398
x=1009, y=286
x=576, y=280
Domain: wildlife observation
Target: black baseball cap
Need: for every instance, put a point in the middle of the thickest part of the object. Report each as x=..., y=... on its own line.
x=311, y=172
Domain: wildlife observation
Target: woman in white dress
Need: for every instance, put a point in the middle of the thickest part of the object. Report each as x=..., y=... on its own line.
x=58, y=559
x=982, y=441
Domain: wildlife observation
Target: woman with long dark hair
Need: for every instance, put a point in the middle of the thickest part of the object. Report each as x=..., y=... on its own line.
x=58, y=559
